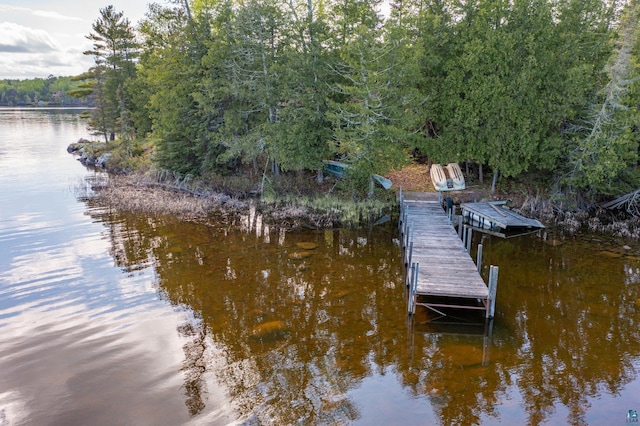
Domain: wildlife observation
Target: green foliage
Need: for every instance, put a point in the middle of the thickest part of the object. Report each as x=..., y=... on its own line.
x=608, y=143
x=517, y=86
x=52, y=91
x=114, y=51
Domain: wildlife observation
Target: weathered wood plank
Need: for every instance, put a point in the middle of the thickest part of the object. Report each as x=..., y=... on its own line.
x=445, y=268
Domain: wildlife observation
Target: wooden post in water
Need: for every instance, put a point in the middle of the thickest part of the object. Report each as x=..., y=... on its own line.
x=479, y=258
x=493, y=287
x=460, y=226
x=469, y=238
x=464, y=238
x=411, y=280
x=415, y=290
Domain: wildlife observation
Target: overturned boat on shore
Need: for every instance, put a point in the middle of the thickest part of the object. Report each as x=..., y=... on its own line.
x=340, y=169
x=447, y=178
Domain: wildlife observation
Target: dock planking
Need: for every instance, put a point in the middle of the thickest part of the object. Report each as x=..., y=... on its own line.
x=440, y=271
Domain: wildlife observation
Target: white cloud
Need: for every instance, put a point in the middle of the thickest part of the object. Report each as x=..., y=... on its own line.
x=44, y=37
x=27, y=53
x=15, y=38
x=54, y=15
x=49, y=14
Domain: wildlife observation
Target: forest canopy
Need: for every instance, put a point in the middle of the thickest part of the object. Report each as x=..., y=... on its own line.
x=524, y=86
x=50, y=91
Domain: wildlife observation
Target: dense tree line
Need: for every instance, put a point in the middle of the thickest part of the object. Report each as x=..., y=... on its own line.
x=50, y=91
x=515, y=86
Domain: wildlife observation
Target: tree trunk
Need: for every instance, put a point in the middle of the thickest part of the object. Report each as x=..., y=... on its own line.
x=371, y=185
x=494, y=181
x=480, y=174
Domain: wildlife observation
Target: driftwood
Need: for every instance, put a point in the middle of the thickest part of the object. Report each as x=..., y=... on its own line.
x=629, y=202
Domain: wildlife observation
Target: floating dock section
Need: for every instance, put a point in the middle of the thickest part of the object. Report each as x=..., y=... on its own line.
x=493, y=218
x=440, y=273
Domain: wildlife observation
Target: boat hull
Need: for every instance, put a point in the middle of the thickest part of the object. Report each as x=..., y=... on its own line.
x=447, y=178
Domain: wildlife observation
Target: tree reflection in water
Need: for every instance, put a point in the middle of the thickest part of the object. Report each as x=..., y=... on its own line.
x=194, y=366
x=290, y=323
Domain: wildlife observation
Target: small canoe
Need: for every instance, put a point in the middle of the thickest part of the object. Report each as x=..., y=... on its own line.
x=335, y=167
x=456, y=176
x=448, y=178
x=439, y=178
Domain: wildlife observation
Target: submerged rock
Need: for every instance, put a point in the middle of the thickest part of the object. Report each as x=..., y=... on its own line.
x=299, y=255
x=609, y=254
x=271, y=330
x=307, y=245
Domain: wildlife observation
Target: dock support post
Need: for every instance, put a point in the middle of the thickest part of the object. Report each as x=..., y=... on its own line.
x=460, y=226
x=410, y=252
x=493, y=287
x=408, y=236
x=412, y=279
x=464, y=238
x=405, y=234
x=479, y=258
x=414, y=300
x=469, y=238
x=409, y=279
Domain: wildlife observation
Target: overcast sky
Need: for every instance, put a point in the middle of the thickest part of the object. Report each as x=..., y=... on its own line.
x=43, y=37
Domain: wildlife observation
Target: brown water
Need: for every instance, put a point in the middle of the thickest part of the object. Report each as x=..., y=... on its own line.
x=108, y=318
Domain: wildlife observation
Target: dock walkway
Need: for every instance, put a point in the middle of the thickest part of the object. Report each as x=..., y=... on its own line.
x=440, y=272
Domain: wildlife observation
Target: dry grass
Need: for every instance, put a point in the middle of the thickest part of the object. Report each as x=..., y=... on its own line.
x=191, y=201
x=129, y=193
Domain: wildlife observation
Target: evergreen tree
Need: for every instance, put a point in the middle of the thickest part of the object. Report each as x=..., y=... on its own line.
x=114, y=51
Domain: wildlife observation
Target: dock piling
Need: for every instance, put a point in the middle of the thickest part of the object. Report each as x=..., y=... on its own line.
x=464, y=238
x=493, y=287
x=415, y=290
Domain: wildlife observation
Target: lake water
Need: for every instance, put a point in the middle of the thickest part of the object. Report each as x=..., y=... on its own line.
x=109, y=318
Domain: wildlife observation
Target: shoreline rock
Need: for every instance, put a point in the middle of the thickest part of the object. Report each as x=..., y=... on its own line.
x=90, y=153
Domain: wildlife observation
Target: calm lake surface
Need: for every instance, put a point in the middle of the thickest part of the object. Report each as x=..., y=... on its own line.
x=109, y=318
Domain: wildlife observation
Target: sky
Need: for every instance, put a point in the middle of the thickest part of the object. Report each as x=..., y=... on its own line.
x=39, y=38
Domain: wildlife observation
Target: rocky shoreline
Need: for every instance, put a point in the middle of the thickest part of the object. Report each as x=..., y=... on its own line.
x=90, y=153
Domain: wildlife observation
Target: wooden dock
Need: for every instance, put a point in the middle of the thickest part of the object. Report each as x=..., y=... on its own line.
x=439, y=269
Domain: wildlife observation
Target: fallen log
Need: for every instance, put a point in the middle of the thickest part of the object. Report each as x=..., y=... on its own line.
x=629, y=202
